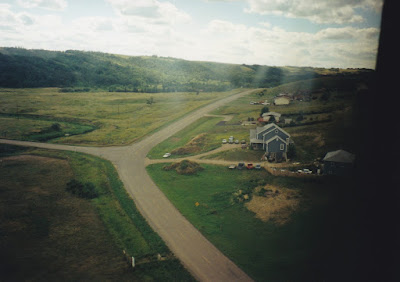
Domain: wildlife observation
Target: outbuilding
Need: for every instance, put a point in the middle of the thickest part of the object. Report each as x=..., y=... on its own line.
x=338, y=162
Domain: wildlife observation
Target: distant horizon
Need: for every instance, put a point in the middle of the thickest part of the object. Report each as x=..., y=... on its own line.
x=176, y=58
x=322, y=34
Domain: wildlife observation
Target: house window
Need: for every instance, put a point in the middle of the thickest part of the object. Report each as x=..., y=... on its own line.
x=282, y=147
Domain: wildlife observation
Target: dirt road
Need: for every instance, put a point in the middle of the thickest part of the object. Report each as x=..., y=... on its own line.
x=197, y=254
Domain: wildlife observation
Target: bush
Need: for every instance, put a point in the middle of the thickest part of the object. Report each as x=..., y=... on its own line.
x=185, y=167
x=82, y=190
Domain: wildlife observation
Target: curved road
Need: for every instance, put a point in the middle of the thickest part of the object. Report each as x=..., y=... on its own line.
x=197, y=254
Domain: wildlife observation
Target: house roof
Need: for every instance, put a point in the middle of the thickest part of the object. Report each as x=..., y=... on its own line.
x=339, y=156
x=268, y=126
x=279, y=129
x=262, y=128
x=273, y=138
x=282, y=97
x=271, y=114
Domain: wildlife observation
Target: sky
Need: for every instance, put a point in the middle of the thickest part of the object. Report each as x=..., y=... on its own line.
x=316, y=33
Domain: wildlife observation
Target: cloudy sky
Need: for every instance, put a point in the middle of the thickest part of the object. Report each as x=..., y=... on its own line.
x=318, y=33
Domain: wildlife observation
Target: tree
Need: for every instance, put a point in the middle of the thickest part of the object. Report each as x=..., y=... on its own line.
x=56, y=127
x=265, y=109
x=271, y=119
x=150, y=101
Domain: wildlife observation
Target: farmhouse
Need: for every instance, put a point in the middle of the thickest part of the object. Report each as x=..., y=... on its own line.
x=271, y=138
x=267, y=116
x=283, y=100
x=338, y=162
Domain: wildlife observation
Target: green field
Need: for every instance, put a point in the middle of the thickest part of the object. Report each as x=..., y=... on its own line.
x=303, y=249
x=71, y=237
x=119, y=118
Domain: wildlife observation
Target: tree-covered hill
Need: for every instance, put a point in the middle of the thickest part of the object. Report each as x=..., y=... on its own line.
x=40, y=68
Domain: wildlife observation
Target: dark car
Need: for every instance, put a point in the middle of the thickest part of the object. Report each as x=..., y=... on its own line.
x=240, y=166
x=250, y=166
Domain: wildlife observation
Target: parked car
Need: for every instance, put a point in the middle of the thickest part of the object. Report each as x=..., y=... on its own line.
x=166, y=155
x=306, y=170
x=223, y=141
x=232, y=166
x=258, y=166
x=236, y=141
x=243, y=141
x=230, y=140
x=250, y=166
x=240, y=166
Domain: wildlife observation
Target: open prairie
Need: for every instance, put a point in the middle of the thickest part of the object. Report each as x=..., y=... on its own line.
x=107, y=118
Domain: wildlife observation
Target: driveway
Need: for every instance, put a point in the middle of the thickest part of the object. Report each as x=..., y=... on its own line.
x=202, y=259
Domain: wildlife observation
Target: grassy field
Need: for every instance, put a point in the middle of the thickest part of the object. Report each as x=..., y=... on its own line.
x=313, y=244
x=120, y=118
x=48, y=233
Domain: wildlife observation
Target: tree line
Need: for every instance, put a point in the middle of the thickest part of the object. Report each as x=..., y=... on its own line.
x=84, y=70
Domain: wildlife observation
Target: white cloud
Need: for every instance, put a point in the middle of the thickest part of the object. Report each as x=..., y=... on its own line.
x=321, y=11
x=331, y=47
x=150, y=11
x=45, y=4
x=14, y=21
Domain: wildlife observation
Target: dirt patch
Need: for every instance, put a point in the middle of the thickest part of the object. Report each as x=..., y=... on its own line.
x=185, y=167
x=274, y=203
x=193, y=146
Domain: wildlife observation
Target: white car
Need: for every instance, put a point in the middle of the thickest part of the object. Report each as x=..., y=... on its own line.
x=223, y=141
x=306, y=170
x=166, y=155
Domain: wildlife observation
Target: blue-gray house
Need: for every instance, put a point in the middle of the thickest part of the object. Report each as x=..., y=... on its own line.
x=338, y=162
x=271, y=138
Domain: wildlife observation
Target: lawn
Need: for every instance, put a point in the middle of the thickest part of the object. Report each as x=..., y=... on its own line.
x=304, y=248
x=119, y=117
x=72, y=237
x=202, y=136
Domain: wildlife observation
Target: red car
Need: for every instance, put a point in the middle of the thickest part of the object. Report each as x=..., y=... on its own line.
x=250, y=166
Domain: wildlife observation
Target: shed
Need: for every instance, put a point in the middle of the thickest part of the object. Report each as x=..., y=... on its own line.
x=282, y=100
x=338, y=162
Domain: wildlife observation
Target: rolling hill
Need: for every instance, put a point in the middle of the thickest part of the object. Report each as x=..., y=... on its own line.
x=83, y=69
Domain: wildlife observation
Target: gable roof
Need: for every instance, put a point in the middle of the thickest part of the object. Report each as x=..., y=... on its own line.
x=262, y=128
x=273, y=138
x=339, y=156
x=277, y=127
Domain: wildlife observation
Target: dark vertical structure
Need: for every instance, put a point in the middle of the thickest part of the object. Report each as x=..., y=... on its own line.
x=378, y=170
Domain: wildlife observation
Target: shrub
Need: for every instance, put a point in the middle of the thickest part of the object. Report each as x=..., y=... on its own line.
x=185, y=167
x=82, y=190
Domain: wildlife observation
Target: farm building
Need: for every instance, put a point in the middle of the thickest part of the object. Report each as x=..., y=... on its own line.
x=338, y=162
x=271, y=138
x=283, y=100
x=267, y=116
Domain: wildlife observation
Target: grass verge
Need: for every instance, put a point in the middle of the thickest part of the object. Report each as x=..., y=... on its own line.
x=121, y=224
